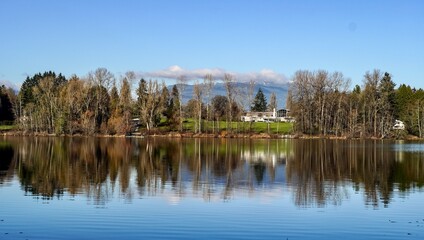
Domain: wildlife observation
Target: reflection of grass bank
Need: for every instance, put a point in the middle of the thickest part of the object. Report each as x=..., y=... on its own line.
x=6, y=153
x=7, y=127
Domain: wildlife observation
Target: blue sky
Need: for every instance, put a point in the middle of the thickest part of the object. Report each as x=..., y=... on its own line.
x=247, y=38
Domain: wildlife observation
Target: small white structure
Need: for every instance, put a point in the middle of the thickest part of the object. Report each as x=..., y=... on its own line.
x=399, y=125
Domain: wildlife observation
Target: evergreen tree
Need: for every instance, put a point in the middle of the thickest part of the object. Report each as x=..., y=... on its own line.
x=114, y=98
x=387, y=103
x=404, y=95
x=387, y=88
x=125, y=95
x=219, y=106
x=6, y=108
x=26, y=91
x=259, y=103
x=173, y=110
x=165, y=101
x=141, y=93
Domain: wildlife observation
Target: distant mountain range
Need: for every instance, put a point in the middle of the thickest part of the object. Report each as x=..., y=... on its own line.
x=280, y=91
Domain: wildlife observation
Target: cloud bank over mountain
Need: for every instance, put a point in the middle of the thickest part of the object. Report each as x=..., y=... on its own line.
x=175, y=72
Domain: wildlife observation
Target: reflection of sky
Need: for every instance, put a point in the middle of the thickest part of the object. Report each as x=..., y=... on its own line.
x=212, y=191
x=265, y=213
x=401, y=146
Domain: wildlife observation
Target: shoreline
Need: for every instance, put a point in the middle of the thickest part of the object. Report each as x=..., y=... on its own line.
x=204, y=135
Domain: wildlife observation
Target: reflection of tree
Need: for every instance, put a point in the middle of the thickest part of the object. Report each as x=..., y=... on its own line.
x=259, y=169
x=322, y=169
x=6, y=153
x=319, y=171
x=100, y=166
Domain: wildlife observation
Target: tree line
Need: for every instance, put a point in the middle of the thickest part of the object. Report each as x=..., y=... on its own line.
x=100, y=103
x=51, y=103
x=322, y=104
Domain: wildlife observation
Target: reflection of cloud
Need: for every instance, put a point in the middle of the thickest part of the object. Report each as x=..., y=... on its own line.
x=174, y=199
x=263, y=195
x=268, y=196
x=175, y=72
x=263, y=156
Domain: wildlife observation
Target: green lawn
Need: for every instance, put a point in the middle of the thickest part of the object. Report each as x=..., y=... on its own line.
x=242, y=127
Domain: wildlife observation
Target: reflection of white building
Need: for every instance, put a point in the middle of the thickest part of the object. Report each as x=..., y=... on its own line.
x=264, y=156
x=399, y=125
x=281, y=115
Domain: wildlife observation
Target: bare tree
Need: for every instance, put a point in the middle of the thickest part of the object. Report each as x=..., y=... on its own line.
x=72, y=98
x=319, y=102
x=418, y=116
x=229, y=87
x=88, y=120
x=250, y=92
x=339, y=86
x=198, y=94
x=181, y=84
x=301, y=101
x=272, y=102
x=370, y=103
x=101, y=80
x=320, y=87
x=47, y=107
x=151, y=107
x=208, y=82
x=130, y=76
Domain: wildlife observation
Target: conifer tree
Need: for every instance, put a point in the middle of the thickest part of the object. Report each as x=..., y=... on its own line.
x=259, y=103
x=173, y=110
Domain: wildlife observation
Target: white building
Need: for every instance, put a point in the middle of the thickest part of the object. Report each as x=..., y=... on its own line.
x=399, y=125
x=274, y=116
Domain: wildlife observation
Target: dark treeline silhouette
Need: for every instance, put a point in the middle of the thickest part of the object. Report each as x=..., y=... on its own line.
x=317, y=172
x=7, y=96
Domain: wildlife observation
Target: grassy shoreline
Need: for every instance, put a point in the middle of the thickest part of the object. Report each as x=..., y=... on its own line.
x=203, y=135
x=257, y=130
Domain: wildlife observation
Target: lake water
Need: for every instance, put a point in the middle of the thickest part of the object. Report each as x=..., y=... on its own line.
x=112, y=188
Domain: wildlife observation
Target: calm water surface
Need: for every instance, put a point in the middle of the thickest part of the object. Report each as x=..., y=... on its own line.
x=105, y=188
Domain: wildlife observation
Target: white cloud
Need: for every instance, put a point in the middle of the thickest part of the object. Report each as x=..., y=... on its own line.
x=175, y=72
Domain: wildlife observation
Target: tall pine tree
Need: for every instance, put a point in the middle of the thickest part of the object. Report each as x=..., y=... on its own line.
x=259, y=103
x=6, y=108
